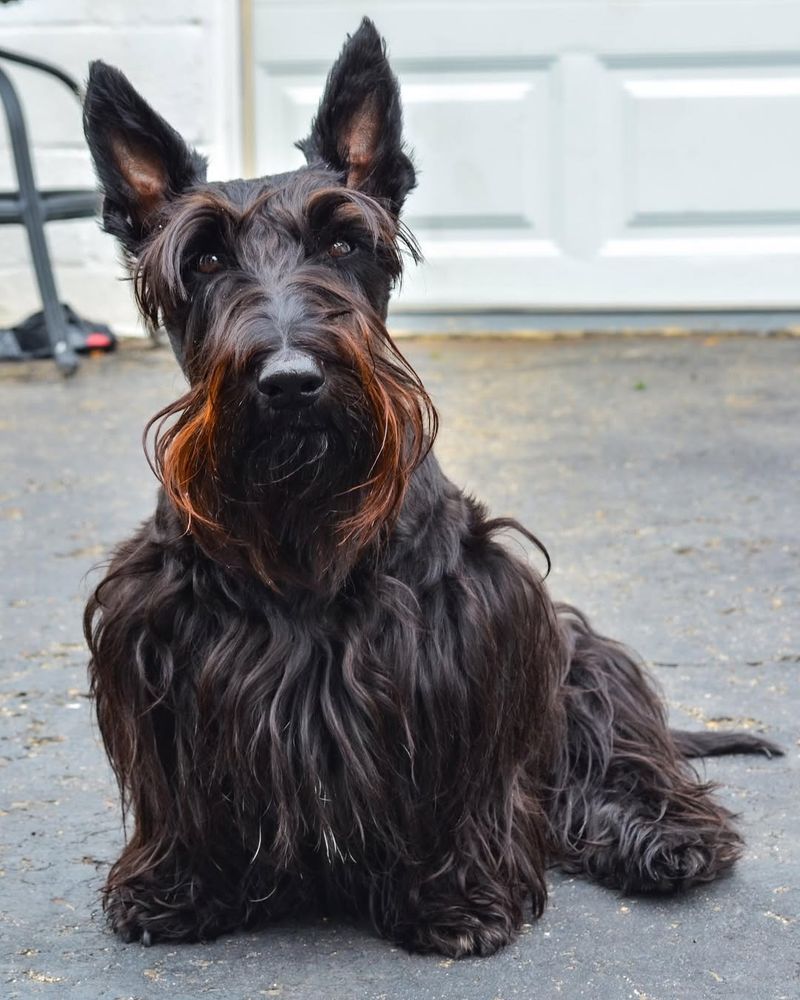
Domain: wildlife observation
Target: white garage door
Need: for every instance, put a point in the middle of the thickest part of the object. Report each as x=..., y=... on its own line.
x=576, y=153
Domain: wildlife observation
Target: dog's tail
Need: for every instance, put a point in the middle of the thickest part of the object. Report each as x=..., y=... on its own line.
x=719, y=743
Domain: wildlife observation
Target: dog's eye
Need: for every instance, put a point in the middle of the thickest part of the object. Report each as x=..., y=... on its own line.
x=209, y=263
x=340, y=249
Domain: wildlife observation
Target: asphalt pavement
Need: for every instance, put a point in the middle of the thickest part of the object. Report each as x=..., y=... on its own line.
x=663, y=474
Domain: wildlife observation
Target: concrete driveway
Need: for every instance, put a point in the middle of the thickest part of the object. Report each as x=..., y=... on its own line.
x=663, y=475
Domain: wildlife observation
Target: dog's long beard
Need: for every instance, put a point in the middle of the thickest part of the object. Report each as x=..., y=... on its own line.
x=272, y=498
x=297, y=498
x=292, y=493
x=296, y=468
x=283, y=508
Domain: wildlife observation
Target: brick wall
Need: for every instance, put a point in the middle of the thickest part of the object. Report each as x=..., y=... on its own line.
x=181, y=55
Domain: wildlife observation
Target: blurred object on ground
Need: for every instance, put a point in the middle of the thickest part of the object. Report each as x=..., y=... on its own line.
x=32, y=208
x=29, y=339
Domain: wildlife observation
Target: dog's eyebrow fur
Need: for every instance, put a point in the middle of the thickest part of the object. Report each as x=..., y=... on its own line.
x=208, y=199
x=320, y=207
x=157, y=274
x=343, y=206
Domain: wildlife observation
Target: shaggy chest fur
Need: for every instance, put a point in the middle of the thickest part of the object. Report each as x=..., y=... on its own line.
x=327, y=723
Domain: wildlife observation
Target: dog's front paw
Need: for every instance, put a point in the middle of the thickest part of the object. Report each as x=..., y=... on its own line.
x=139, y=914
x=469, y=934
x=129, y=916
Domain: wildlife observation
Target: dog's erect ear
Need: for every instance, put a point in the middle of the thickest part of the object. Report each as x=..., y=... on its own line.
x=141, y=161
x=359, y=124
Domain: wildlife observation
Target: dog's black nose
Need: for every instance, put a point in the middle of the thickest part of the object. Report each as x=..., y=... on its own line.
x=290, y=380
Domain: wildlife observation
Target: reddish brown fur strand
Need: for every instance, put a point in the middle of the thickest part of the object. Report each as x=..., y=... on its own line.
x=320, y=677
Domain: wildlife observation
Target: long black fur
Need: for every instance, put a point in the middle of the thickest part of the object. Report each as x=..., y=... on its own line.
x=320, y=675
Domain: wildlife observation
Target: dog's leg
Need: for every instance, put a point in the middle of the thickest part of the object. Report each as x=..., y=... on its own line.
x=158, y=890
x=626, y=808
x=471, y=899
x=188, y=872
x=191, y=868
x=179, y=896
x=483, y=720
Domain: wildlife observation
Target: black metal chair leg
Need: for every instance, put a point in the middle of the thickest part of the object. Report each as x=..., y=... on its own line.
x=57, y=329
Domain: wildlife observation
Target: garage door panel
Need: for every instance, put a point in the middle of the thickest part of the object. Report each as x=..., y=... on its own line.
x=585, y=153
x=481, y=139
x=286, y=102
x=716, y=149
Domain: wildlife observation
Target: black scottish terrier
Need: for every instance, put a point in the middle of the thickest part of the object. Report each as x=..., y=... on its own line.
x=320, y=676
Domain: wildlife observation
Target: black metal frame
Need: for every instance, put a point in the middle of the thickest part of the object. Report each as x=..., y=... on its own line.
x=32, y=208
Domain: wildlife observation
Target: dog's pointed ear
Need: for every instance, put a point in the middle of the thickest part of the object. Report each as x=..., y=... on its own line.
x=358, y=129
x=140, y=160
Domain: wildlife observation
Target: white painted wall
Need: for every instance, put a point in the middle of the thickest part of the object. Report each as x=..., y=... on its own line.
x=183, y=57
